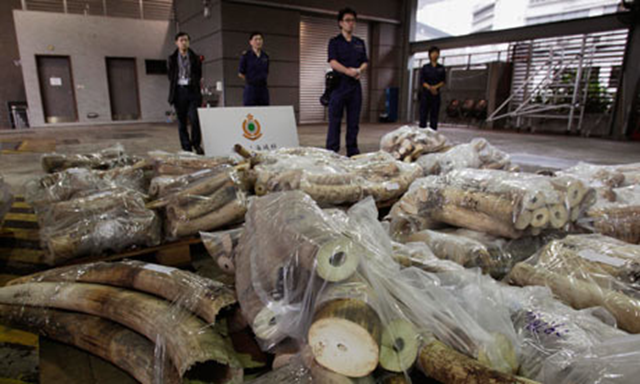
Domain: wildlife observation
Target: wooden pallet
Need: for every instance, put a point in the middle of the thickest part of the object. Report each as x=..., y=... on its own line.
x=22, y=254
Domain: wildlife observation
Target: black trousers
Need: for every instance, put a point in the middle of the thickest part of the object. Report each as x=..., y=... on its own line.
x=429, y=109
x=347, y=96
x=186, y=103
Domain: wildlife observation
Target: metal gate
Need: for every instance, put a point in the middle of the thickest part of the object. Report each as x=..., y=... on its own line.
x=563, y=77
x=315, y=33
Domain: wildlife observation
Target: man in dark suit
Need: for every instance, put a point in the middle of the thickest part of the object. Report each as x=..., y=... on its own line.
x=185, y=73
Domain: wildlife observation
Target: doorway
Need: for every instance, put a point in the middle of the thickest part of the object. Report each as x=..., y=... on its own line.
x=57, y=89
x=123, y=88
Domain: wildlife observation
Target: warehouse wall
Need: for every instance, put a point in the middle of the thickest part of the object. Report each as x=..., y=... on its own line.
x=282, y=41
x=206, y=36
x=224, y=36
x=281, y=30
x=12, y=88
x=88, y=40
x=386, y=64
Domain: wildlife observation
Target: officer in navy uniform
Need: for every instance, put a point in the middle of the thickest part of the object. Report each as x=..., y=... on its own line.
x=254, y=70
x=432, y=78
x=348, y=57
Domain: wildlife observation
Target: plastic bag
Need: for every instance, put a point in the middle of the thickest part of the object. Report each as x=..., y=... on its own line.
x=331, y=179
x=494, y=255
x=108, y=158
x=109, y=221
x=477, y=154
x=6, y=200
x=203, y=201
x=333, y=283
x=495, y=202
x=79, y=182
x=407, y=143
x=605, y=176
x=181, y=163
x=586, y=271
x=616, y=216
x=614, y=361
x=222, y=246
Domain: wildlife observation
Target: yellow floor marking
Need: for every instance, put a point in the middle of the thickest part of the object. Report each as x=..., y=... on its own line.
x=27, y=256
x=16, y=336
x=21, y=217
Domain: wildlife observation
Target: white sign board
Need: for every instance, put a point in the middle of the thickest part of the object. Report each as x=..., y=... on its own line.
x=55, y=81
x=256, y=128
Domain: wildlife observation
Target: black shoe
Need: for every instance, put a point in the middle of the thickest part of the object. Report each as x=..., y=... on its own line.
x=198, y=150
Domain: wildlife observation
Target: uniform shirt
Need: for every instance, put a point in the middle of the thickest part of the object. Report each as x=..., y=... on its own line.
x=432, y=75
x=184, y=69
x=254, y=68
x=351, y=54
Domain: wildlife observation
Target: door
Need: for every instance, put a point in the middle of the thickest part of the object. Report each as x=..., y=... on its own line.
x=123, y=88
x=57, y=89
x=315, y=33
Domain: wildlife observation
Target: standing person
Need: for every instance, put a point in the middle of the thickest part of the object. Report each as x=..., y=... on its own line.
x=348, y=57
x=254, y=70
x=432, y=78
x=185, y=73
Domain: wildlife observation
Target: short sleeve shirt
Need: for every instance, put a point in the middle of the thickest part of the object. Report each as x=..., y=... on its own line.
x=351, y=54
x=432, y=75
x=254, y=68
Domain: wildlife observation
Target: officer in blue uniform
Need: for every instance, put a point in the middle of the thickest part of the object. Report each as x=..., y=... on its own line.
x=432, y=78
x=254, y=70
x=348, y=57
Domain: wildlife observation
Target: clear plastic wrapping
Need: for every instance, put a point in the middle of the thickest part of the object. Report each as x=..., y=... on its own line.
x=617, y=215
x=105, y=159
x=175, y=310
x=494, y=255
x=222, y=246
x=6, y=200
x=606, y=176
x=79, y=182
x=551, y=331
x=495, y=202
x=613, y=361
x=181, y=163
x=408, y=143
x=617, y=211
x=478, y=154
x=587, y=271
x=202, y=201
x=331, y=179
x=332, y=282
x=112, y=220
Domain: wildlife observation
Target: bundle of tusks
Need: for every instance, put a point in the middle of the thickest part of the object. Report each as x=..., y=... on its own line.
x=290, y=259
x=330, y=179
x=409, y=143
x=496, y=202
x=130, y=313
x=202, y=201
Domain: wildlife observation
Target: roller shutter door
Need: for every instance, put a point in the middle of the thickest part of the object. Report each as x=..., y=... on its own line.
x=315, y=33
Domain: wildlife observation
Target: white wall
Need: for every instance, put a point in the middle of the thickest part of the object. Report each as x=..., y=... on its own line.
x=88, y=40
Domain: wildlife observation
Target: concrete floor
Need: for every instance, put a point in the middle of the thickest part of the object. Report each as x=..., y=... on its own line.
x=20, y=150
x=20, y=153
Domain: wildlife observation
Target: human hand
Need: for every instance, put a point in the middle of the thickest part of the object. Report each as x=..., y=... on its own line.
x=434, y=91
x=352, y=72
